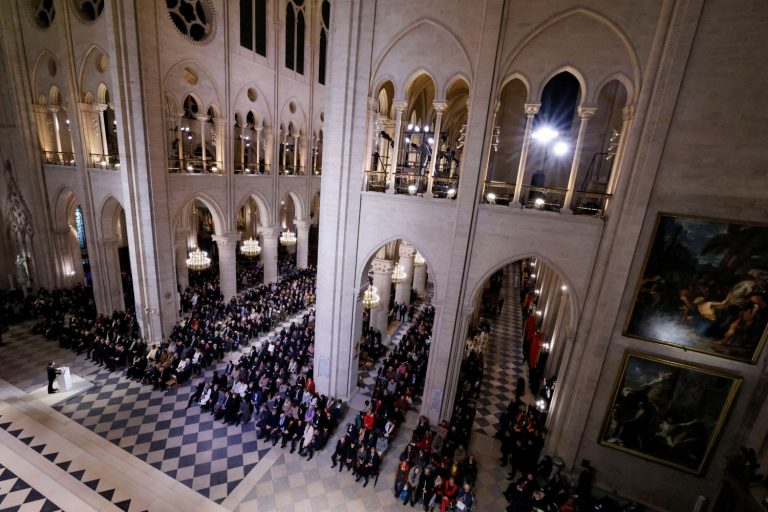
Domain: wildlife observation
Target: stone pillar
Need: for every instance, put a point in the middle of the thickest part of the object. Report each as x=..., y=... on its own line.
x=227, y=263
x=302, y=242
x=400, y=106
x=382, y=281
x=258, y=146
x=554, y=340
x=296, y=153
x=180, y=138
x=56, y=128
x=585, y=113
x=439, y=107
x=67, y=252
x=269, y=240
x=403, y=290
x=203, y=120
x=100, y=109
x=420, y=279
x=372, y=125
x=221, y=129
x=112, y=278
x=531, y=109
x=43, y=131
x=284, y=151
x=628, y=114
x=181, y=249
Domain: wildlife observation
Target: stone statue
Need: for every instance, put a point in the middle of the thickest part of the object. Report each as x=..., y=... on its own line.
x=22, y=272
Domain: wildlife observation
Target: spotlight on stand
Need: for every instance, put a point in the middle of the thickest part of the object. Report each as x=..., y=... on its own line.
x=412, y=190
x=491, y=197
x=538, y=202
x=451, y=193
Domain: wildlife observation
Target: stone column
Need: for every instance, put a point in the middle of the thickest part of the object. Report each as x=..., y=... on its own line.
x=269, y=240
x=113, y=279
x=420, y=279
x=296, y=154
x=56, y=132
x=180, y=137
x=43, y=131
x=203, y=120
x=628, y=114
x=284, y=151
x=585, y=113
x=554, y=340
x=221, y=130
x=531, y=109
x=71, y=271
x=258, y=146
x=100, y=109
x=382, y=281
x=302, y=242
x=227, y=263
x=439, y=107
x=403, y=290
x=181, y=249
x=370, y=141
x=400, y=106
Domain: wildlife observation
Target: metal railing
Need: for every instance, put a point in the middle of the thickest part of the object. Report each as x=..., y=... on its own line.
x=292, y=170
x=500, y=192
x=410, y=183
x=98, y=161
x=251, y=169
x=194, y=166
x=58, y=158
x=445, y=187
x=543, y=198
x=590, y=203
x=376, y=181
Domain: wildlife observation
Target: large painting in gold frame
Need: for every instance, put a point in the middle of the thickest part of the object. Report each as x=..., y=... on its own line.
x=668, y=411
x=704, y=287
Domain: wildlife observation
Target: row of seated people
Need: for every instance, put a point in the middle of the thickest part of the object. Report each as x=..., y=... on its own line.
x=400, y=378
x=248, y=274
x=212, y=329
x=435, y=469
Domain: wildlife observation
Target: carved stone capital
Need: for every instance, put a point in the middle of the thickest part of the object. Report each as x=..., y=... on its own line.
x=269, y=232
x=586, y=111
x=531, y=109
x=439, y=106
x=381, y=266
x=628, y=113
x=202, y=117
x=400, y=106
x=302, y=225
x=407, y=250
x=228, y=241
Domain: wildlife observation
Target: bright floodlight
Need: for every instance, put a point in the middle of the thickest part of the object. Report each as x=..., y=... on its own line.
x=560, y=148
x=545, y=134
x=538, y=202
x=410, y=126
x=431, y=140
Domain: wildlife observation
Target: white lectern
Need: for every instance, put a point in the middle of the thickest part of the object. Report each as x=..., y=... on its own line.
x=63, y=379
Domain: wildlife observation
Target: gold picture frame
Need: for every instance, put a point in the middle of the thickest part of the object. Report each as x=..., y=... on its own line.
x=704, y=287
x=668, y=411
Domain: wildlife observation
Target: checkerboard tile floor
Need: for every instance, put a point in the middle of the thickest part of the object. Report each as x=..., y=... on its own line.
x=16, y=495
x=186, y=444
x=504, y=358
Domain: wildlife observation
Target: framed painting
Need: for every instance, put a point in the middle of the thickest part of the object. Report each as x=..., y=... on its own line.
x=704, y=287
x=667, y=411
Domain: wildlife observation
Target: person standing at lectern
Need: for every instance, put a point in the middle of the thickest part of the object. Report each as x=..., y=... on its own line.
x=51, y=376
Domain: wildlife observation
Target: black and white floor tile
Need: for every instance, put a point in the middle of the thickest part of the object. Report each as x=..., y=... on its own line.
x=504, y=359
x=186, y=444
x=16, y=495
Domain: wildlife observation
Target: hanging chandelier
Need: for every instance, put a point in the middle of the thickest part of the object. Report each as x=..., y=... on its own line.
x=419, y=260
x=198, y=260
x=250, y=247
x=288, y=238
x=370, y=297
x=398, y=274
